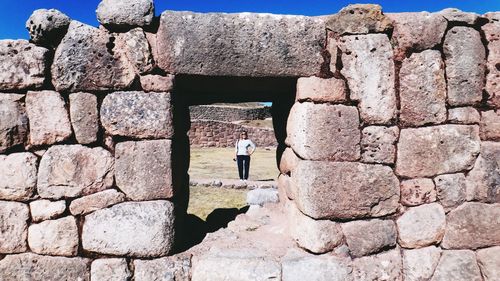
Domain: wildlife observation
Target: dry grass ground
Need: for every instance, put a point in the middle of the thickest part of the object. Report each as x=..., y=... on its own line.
x=203, y=200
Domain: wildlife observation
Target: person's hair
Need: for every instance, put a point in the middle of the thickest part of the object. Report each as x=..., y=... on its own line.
x=244, y=132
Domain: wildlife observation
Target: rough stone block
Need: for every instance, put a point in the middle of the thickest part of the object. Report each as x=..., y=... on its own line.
x=120, y=14
x=18, y=176
x=84, y=117
x=157, y=83
x=144, y=169
x=332, y=48
x=246, y=44
x=298, y=267
x=164, y=268
x=416, y=192
x=321, y=89
x=421, y=226
x=386, y=266
x=137, y=114
x=465, y=58
x=378, y=144
x=422, y=89
x=48, y=118
x=87, y=60
x=489, y=263
x=47, y=27
x=451, y=190
x=483, y=180
x=14, y=218
x=284, y=184
x=472, y=225
x=492, y=34
x=419, y=264
x=324, y=131
x=45, y=210
x=456, y=15
x=430, y=151
x=135, y=46
x=489, y=128
x=359, y=19
x=345, y=190
x=458, y=265
x=288, y=161
x=463, y=115
x=262, y=196
x=68, y=171
x=137, y=229
x=23, y=66
x=54, y=237
x=368, y=237
x=14, y=122
x=96, y=201
x=110, y=269
x=369, y=70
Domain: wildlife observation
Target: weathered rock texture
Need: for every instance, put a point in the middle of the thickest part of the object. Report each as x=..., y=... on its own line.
x=457, y=265
x=419, y=264
x=14, y=227
x=492, y=34
x=367, y=237
x=47, y=27
x=84, y=117
x=44, y=209
x=14, y=122
x=122, y=14
x=18, y=176
x=54, y=237
x=359, y=19
x=110, y=269
x=421, y=226
x=483, y=180
x=378, y=144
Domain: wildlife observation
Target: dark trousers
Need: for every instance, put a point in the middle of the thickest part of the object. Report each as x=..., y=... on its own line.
x=243, y=166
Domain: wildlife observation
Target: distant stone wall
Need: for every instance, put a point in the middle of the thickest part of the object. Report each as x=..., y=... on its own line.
x=228, y=113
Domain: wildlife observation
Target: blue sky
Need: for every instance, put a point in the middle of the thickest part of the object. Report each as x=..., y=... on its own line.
x=14, y=13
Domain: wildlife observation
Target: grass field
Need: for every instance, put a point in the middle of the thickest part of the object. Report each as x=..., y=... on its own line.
x=203, y=200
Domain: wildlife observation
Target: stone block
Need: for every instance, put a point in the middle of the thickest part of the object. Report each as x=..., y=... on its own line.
x=421, y=226
x=318, y=89
x=54, y=237
x=451, y=190
x=359, y=19
x=416, y=192
x=262, y=196
x=167, y=268
x=420, y=264
x=47, y=27
x=483, y=180
x=122, y=14
x=369, y=70
x=458, y=265
x=84, y=117
x=23, y=66
x=68, y=171
x=14, y=227
x=463, y=115
x=378, y=144
x=489, y=128
x=492, y=35
x=137, y=115
x=157, y=83
x=135, y=47
x=332, y=48
x=456, y=15
x=489, y=263
x=136, y=229
x=48, y=119
x=34, y=267
x=88, y=60
x=422, y=89
x=110, y=269
x=96, y=201
x=324, y=132
x=298, y=267
x=18, y=176
x=245, y=44
x=369, y=237
x=465, y=58
x=386, y=266
x=14, y=122
x=144, y=169
x=288, y=161
x=45, y=210
x=443, y=149
x=472, y=225
x=345, y=190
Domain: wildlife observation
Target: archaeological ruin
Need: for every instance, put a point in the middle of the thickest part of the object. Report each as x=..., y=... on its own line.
x=387, y=128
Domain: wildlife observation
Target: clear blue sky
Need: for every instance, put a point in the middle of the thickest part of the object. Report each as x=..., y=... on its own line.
x=14, y=13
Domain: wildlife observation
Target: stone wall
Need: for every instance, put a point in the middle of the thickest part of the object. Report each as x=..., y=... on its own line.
x=391, y=165
x=228, y=113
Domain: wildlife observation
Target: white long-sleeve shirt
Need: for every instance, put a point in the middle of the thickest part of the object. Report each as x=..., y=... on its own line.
x=242, y=147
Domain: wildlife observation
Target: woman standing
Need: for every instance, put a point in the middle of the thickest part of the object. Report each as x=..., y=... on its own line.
x=244, y=148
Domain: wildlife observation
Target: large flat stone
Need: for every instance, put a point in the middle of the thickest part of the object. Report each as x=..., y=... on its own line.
x=48, y=118
x=14, y=218
x=244, y=44
x=54, y=237
x=84, y=117
x=463, y=115
x=458, y=265
x=299, y=267
x=318, y=89
x=18, y=176
x=489, y=263
x=483, y=181
x=167, y=268
x=45, y=210
x=359, y=19
x=422, y=89
x=119, y=14
x=368, y=237
x=421, y=226
x=87, y=60
x=96, y=201
x=144, y=169
x=435, y=150
x=369, y=70
x=34, y=267
x=324, y=132
x=68, y=171
x=14, y=122
x=137, y=114
x=345, y=190
x=492, y=34
x=472, y=225
x=419, y=264
x=378, y=144
x=386, y=266
x=23, y=66
x=465, y=58
x=137, y=229
x=110, y=269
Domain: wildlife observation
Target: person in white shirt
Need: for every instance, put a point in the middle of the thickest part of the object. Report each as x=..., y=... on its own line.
x=244, y=148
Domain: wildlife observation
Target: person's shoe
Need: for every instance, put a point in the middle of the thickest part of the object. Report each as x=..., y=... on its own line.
x=242, y=180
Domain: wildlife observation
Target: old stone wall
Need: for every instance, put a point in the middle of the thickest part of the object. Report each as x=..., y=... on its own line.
x=391, y=170
x=228, y=113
